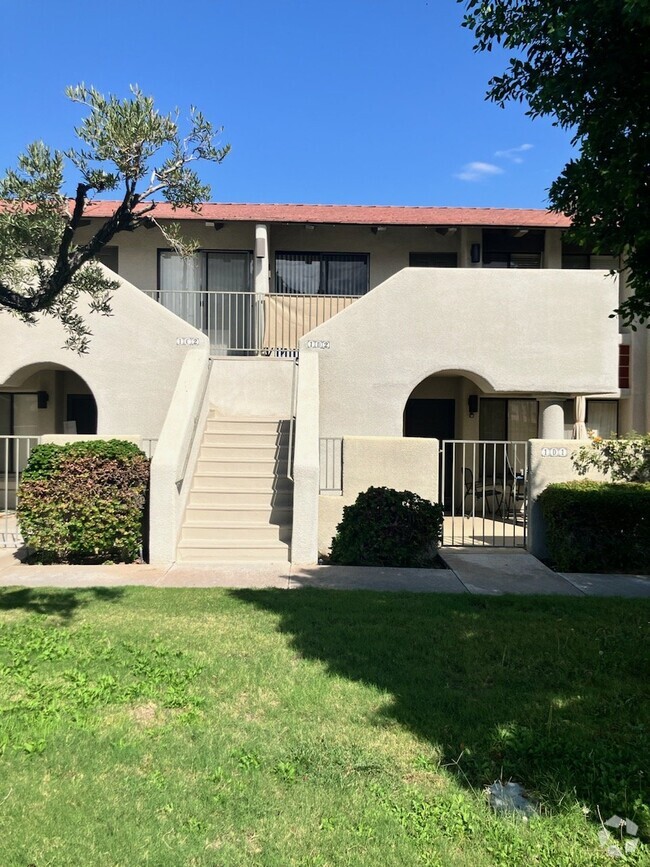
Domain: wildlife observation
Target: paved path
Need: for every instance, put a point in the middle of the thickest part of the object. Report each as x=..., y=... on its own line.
x=477, y=571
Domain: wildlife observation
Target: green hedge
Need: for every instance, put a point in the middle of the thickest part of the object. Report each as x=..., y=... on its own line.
x=598, y=526
x=384, y=527
x=84, y=502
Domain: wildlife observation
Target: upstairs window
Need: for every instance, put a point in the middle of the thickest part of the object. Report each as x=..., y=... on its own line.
x=575, y=257
x=513, y=248
x=110, y=257
x=433, y=260
x=321, y=273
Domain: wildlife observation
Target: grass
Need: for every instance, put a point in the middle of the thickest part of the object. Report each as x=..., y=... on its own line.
x=204, y=727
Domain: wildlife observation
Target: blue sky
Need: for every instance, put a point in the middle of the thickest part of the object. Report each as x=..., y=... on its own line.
x=329, y=101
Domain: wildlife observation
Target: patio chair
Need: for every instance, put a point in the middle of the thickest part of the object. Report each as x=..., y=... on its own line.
x=484, y=499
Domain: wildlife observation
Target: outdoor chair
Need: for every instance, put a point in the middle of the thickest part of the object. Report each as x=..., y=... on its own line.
x=482, y=499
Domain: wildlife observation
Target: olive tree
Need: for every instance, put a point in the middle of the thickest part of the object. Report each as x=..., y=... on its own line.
x=126, y=146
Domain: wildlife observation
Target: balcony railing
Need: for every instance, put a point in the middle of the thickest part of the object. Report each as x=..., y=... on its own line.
x=250, y=323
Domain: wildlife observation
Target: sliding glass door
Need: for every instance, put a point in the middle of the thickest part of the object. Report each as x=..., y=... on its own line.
x=213, y=292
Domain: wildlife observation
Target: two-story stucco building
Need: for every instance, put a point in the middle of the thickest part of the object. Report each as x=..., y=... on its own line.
x=438, y=324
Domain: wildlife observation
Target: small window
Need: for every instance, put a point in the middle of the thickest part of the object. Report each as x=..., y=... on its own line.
x=433, y=260
x=623, y=366
x=602, y=417
x=321, y=273
x=109, y=256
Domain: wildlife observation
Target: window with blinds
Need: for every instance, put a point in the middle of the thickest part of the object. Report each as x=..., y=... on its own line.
x=321, y=273
x=513, y=248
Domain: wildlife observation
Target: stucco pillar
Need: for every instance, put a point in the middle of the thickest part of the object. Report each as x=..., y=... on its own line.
x=262, y=258
x=553, y=249
x=552, y=416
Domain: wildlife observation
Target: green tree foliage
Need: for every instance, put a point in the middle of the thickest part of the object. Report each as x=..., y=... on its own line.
x=125, y=145
x=586, y=63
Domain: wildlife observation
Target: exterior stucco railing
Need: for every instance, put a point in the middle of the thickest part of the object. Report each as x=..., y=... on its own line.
x=249, y=323
x=173, y=458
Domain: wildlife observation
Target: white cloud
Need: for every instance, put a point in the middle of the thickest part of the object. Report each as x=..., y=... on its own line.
x=514, y=154
x=477, y=171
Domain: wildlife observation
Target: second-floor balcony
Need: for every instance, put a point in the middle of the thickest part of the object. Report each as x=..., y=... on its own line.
x=249, y=323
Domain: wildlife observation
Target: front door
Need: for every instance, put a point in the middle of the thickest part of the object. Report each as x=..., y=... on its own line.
x=432, y=418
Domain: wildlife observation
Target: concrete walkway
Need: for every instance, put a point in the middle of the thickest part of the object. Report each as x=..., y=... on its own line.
x=471, y=570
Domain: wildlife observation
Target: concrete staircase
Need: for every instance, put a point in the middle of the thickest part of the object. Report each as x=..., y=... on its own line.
x=241, y=502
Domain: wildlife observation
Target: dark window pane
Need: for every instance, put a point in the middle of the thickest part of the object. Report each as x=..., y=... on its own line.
x=321, y=273
x=433, y=260
x=110, y=257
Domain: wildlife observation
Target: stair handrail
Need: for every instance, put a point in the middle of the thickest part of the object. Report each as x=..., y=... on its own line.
x=292, y=418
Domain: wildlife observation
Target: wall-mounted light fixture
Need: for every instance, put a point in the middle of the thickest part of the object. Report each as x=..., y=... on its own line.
x=309, y=227
x=260, y=248
x=519, y=233
x=376, y=229
x=446, y=230
x=211, y=224
x=475, y=254
x=42, y=398
x=472, y=405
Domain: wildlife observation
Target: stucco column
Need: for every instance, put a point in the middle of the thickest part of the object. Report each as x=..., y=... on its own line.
x=552, y=416
x=553, y=248
x=262, y=259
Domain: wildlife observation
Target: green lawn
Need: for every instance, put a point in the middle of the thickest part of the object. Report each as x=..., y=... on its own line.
x=207, y=727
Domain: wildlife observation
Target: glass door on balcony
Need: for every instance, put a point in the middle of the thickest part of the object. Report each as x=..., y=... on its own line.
x=212, y=290
x=181, y=281
x=231, y=304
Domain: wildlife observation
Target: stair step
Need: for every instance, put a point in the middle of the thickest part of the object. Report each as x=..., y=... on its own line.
x=231, y=451
x=244, y=466
x=245, y=438
x=218, y=552
x=235, y=533
x=222, y=424
x=241, y=481
x=246, y=513
x=238, y=497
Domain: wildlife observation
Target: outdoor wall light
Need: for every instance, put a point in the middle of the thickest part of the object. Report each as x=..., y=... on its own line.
x=472, y=405
x=475, y=254
x=446, y=230
x=376, y=229
x=42, y=398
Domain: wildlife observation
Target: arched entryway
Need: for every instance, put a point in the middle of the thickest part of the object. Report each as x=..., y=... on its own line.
x=46, y=399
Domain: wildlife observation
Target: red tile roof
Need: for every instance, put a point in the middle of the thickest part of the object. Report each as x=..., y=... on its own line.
x=394, y=215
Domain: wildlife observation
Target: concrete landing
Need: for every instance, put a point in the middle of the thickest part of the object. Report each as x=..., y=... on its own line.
x=505, y=570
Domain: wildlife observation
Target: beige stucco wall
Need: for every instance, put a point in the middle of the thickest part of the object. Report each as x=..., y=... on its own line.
x=510, y=331
x=404, y=464
x=544, y=471
x=131, y=366
x=253, y=387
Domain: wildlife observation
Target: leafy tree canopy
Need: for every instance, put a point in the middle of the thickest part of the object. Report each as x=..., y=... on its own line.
x=586, y=63
x=125, y=145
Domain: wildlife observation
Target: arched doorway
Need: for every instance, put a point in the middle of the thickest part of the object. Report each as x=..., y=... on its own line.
x=46, y=399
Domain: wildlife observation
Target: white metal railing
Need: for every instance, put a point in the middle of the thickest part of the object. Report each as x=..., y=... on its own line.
x=484, y=489
x=14, y=452
x=331, y=465
x=250, y=323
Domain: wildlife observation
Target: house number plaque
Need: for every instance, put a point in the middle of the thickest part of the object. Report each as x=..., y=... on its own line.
x=554, y=453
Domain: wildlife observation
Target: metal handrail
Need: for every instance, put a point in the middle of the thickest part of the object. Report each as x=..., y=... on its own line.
x=292, y=420
x=250, y=323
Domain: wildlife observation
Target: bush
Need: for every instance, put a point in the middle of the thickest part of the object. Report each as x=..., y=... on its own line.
x=385, y=527
x=598, y=526
x=84, y=502
x=626, y=459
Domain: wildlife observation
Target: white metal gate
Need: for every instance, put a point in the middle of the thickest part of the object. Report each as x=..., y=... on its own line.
x=14, y=451
x=484, y=490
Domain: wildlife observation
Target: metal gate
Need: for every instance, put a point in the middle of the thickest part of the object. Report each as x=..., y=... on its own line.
x=484, y=490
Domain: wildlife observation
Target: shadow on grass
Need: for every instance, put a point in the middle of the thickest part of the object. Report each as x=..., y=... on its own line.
x=55, y=602
x=547, y=691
